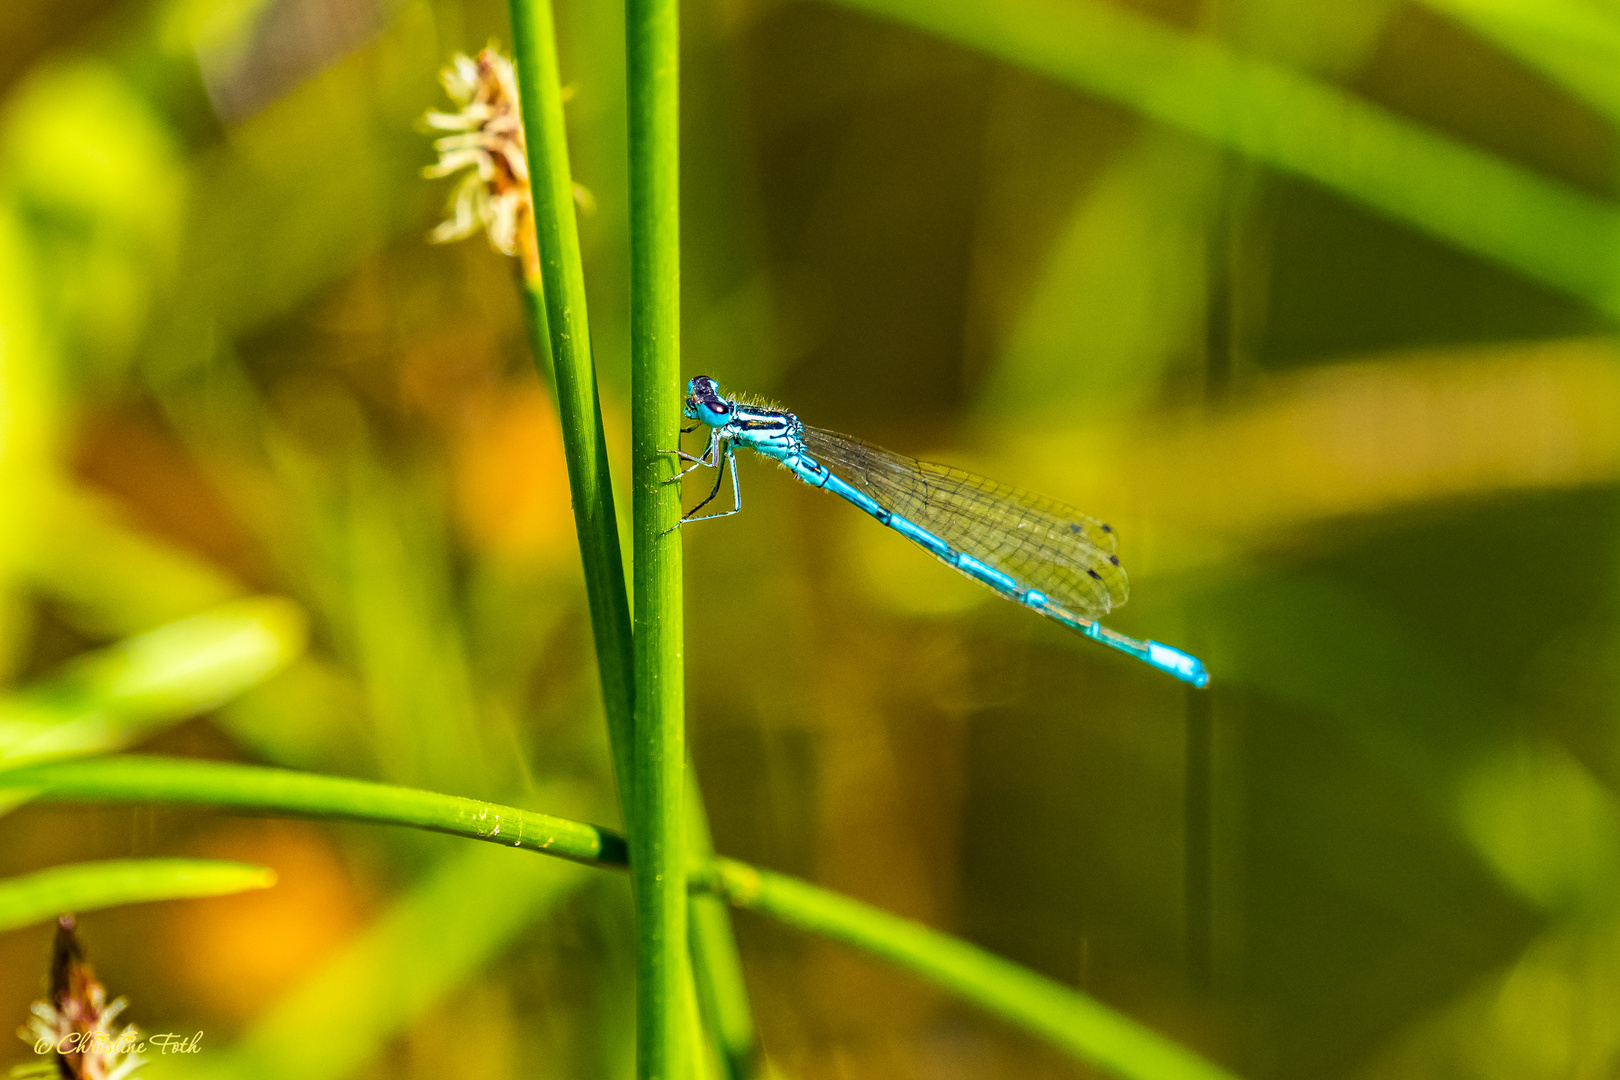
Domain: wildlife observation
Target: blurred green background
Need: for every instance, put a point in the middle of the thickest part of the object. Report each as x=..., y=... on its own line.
x=1360, y=444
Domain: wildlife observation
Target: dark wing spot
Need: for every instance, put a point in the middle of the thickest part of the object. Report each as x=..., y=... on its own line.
x=1105, y=528
x=1073, y=527
x=1114, y=559
x=1094, y=574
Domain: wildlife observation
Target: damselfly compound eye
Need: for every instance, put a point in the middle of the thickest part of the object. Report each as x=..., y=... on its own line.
x=703, y=394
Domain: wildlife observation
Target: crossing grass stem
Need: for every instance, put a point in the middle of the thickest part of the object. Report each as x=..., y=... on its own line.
x=1083, y=1028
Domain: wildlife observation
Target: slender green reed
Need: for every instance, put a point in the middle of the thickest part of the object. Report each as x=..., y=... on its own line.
x=45, y=894
x=287, y=793
x=564, y=336
x=561, y=334
x=1085, y=1029
x=657, y=832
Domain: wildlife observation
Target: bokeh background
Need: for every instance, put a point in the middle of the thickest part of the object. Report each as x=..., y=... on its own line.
x=1367, y=474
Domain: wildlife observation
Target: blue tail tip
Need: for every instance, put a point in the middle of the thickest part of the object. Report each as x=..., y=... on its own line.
x=1189, y=669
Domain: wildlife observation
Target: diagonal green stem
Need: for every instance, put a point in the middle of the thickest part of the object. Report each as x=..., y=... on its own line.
x=1086, y=1029
x=564, y=336
x=657, y=830
x=283, y=792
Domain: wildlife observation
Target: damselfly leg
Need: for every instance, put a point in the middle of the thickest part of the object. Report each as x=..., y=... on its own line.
x=710, y=451
x=728, y=462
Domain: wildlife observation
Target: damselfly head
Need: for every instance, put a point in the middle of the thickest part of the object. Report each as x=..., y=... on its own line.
x=704, y=402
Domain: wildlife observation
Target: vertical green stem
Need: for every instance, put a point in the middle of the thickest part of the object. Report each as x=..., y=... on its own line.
x=657, y=832
x=560, y=335
x=560, y=328
x=716, y=966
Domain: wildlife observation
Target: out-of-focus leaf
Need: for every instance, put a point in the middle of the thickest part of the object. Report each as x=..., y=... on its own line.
x=1199, y=488
x=1295, y=123
x=28, y=419
x=1123, y=286
x=77, y=142
x=99, y=178
x=1533, y=813
x=1547, y=1016
x=1574, y=42
x=219, y=29
x=112, y=698
x=108, y=578
x=302, y=192
x=370, y=540
x=111, y=578
x=449, y=926
x=1309, y=642
x=1329, y=39
x=41, y=896
x=1547, y=826
x=220, y=34
x=311, y=716
x=1126, y=281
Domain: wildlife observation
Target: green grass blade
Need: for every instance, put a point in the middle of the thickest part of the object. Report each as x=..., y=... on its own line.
x=1088, y=1030
x=111, y=578
x=564, y=336
x=657, y=827
x=282, y=791
x=42, y=896
x=111, y=698
x=1299, y=125
x=1123, y=285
